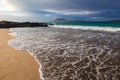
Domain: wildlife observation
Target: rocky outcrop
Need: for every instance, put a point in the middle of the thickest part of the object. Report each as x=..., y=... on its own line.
x=10, y=24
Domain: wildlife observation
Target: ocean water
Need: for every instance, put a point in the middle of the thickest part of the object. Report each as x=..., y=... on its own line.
x=71, y=54
x=103, y=26
x=100, y=24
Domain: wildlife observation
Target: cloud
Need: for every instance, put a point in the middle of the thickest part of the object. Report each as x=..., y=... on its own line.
x=71, y=12
x=71, y=9
x=66, y=4
x=4, y=6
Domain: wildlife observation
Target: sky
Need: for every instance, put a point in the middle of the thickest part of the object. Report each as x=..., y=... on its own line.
x=48, y=10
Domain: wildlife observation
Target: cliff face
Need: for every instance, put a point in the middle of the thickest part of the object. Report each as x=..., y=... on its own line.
x=8, y=24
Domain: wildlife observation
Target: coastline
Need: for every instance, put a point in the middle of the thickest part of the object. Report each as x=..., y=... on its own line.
x=16, y=65
x=40, y=67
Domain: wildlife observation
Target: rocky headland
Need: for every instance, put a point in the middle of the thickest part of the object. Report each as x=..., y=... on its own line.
x=10, y=24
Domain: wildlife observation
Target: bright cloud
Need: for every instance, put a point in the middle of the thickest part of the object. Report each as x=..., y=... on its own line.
x=4, y=6
x=71, y=12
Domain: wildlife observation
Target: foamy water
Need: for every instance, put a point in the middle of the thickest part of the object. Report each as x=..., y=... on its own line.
x=71, y=54
x=96, y=28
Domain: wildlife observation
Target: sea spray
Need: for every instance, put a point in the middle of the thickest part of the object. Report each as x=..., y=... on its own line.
x=69, y=54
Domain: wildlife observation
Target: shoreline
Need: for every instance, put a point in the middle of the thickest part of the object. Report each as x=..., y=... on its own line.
x=40, y=67
x=62, y=54
x=16, y=64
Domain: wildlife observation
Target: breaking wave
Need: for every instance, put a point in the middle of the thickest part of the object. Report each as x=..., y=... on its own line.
x=96, y=28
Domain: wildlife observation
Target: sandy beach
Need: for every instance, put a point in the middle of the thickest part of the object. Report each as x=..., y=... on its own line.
x=14, y=64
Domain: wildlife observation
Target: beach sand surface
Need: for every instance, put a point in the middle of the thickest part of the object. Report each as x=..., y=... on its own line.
x=14, y=64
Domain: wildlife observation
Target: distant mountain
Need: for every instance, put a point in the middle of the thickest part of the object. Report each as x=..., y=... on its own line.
x=65, y=20
x=60, y=19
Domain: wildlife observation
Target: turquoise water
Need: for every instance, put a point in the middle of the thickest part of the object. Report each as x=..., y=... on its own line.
x=100, y=24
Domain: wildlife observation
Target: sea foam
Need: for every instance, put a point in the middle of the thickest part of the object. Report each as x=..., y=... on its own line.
x=96, y=28
x=71, y=54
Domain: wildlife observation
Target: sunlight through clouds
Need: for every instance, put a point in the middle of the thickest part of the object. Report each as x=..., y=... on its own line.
x=4, y=6
x=69, y=9
x=9, y=12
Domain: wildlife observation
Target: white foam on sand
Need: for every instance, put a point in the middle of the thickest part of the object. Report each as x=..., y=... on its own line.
x=9, y=43
x=40, y=67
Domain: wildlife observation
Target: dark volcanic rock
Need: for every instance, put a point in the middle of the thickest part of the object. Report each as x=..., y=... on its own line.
x=8, y=24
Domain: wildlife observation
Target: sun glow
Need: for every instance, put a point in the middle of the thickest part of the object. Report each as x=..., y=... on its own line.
x=5, y=6
x=7, y=9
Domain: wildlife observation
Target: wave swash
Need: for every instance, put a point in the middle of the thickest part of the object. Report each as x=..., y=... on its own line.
x=71, y=54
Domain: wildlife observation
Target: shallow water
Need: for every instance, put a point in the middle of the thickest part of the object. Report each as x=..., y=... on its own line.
x=71, y=54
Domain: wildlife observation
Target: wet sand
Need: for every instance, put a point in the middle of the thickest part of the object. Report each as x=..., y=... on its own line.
x=14, y=64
